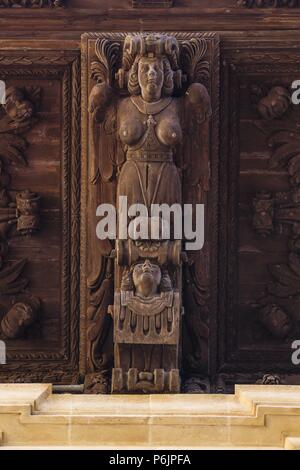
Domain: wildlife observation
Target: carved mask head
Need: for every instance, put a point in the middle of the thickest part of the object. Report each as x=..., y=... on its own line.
x=146, y=278
x=19, y=317
x=17, y=107
x=276, y=321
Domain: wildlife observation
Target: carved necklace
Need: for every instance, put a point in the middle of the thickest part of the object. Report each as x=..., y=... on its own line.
x=150, y=108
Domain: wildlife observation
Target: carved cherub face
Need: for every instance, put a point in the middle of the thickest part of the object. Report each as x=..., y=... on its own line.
x=276, y=321
x=146, y=278
x=17, y=319
x=17, y=107
x=151, y=78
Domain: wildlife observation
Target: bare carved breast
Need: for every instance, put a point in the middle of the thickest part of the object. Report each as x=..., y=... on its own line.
x=134, y=123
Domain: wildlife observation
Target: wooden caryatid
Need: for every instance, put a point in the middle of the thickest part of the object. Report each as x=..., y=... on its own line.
x=150, y=118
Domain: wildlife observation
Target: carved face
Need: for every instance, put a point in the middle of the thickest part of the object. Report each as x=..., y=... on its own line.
x=17, y=319
x=17, y=107
x=151, y=78
x=276, y=321
x=146, y=278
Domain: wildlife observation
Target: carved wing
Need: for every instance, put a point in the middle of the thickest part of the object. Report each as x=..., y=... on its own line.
x=106, y=157
x=103, y=110
x=107, y=154
x=195, y=165
x=196, y=119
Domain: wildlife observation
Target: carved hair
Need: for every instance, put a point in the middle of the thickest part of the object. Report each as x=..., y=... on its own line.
x=127, y=280
x=165, y=283
x=133, y=79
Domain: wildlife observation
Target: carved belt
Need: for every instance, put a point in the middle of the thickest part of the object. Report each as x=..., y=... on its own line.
x=146, y=156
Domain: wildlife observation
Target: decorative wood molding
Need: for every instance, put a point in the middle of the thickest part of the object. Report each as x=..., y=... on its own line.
x=269, y=3
x=31, y=3
x=152, y=3
x=268, y=64
x=17, y=117
x=58, y=364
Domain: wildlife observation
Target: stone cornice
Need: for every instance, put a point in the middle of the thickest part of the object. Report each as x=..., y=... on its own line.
x=256, y=416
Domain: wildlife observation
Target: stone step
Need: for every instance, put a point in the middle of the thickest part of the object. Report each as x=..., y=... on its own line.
x=254, y=417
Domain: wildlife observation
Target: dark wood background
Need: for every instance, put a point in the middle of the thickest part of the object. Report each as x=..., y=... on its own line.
x=259, y=47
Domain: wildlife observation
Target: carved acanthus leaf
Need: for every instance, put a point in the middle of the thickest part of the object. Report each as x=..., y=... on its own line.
x=287, y=153
x=284, y=142
x=287, y=278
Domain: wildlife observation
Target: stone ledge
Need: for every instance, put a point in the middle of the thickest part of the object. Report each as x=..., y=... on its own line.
x=255, y=417
x=292, y=443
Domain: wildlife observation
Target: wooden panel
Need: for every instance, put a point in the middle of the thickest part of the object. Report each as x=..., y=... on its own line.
x=48, y=349
x=258, y=319
x=259, y=46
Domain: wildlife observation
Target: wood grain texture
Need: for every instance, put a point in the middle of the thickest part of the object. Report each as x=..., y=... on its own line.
x=259, y=48
x=54, y=172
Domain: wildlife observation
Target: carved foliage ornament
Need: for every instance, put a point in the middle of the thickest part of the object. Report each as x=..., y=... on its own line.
x=21, y=209
x=278, y=212
x=31, y=3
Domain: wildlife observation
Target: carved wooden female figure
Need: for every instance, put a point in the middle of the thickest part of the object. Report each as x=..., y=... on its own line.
x=142, y=149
